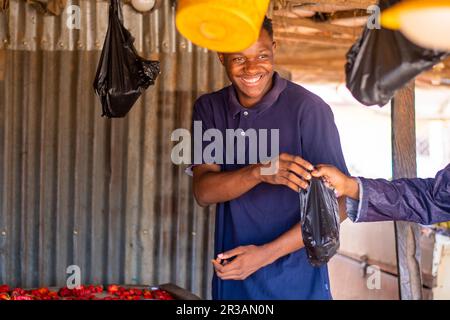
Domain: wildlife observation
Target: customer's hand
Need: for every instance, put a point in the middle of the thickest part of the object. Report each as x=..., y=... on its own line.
x=289, y=170
x=335, y=179
x=246, y=260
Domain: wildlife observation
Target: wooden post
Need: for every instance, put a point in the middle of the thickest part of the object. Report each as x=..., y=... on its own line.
x=404, y=166
x=2, y=64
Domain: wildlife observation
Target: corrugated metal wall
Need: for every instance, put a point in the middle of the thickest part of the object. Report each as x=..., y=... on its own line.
x=79, y=189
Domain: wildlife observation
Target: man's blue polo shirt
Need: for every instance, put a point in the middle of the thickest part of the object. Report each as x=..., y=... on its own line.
x=306, y=128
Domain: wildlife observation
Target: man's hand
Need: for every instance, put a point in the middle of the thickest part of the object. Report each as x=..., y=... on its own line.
x=247, y=260
x=293, y=172
x=335, y=179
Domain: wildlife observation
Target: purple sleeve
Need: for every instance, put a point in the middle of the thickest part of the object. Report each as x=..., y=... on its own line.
x=424, y=201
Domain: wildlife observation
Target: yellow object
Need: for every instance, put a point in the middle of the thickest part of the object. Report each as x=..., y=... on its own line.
x=391, y=17
x=424, y=22
x=221, y=25
x=445, y=225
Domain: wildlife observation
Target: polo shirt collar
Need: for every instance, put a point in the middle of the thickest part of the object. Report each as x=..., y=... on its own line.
x=278, y=85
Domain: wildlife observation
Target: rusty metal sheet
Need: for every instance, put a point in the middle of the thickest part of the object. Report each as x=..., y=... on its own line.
x=103, y=194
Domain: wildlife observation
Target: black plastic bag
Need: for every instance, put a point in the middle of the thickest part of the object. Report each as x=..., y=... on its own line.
x=122, y=76
x=383, y=61
x=320, y=222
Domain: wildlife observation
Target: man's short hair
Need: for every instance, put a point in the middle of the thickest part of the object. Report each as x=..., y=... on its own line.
x=268, y=26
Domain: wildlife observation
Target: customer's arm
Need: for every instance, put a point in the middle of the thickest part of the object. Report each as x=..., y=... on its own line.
x=424, y=201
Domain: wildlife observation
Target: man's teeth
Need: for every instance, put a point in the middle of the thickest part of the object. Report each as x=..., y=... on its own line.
x=252, y=80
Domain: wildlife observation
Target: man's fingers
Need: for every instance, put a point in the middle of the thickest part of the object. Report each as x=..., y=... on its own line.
x=294, y=167
x=231, y=266
x=318, y=172
x=328, y=185
x=293, y=178
x=231, y=277
x=289, y=184
x=217, y=266
x=299, y=160
x=215, y=263
x=231, y=253
x=304, y=163
x=322, y=171
x=235, y=275
x=232, y=270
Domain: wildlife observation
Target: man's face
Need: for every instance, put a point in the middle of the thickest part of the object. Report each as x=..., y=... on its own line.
x=251, y=70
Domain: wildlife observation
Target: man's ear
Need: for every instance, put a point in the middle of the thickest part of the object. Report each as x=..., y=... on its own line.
x=221, y=58
x=274, y=45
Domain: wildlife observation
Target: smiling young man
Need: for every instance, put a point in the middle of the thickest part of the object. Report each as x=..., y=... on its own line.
x=258, y=241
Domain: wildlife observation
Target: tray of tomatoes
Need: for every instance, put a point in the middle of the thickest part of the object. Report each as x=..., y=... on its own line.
x=86, y=292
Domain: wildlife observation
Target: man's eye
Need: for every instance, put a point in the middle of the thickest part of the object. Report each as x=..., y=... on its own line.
x=263, y=56
x=238, y=60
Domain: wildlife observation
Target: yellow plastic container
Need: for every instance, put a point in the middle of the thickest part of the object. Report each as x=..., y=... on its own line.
x=391, y=17
x=221, y=25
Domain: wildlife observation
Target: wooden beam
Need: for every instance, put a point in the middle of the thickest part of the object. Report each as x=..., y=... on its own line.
x=335, y=64
x=2, y=64
x=284, y=22
x=310, y=74
x=404, y=166
x=347, y=4
x=314, y=52
x=316, y=39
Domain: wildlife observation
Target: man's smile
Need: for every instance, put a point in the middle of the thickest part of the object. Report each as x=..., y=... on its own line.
x=251, y=81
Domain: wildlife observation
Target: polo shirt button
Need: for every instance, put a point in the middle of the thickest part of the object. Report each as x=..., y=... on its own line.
x=245, y=113
x=243, y=133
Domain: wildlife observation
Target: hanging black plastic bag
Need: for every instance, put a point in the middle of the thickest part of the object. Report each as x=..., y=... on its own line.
x=122, y=76
x=383, y=61
x=319, y=213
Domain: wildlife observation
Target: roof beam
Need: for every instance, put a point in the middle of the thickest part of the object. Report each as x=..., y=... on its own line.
x=316, y=39
x=344, y=4
x=284, y=22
